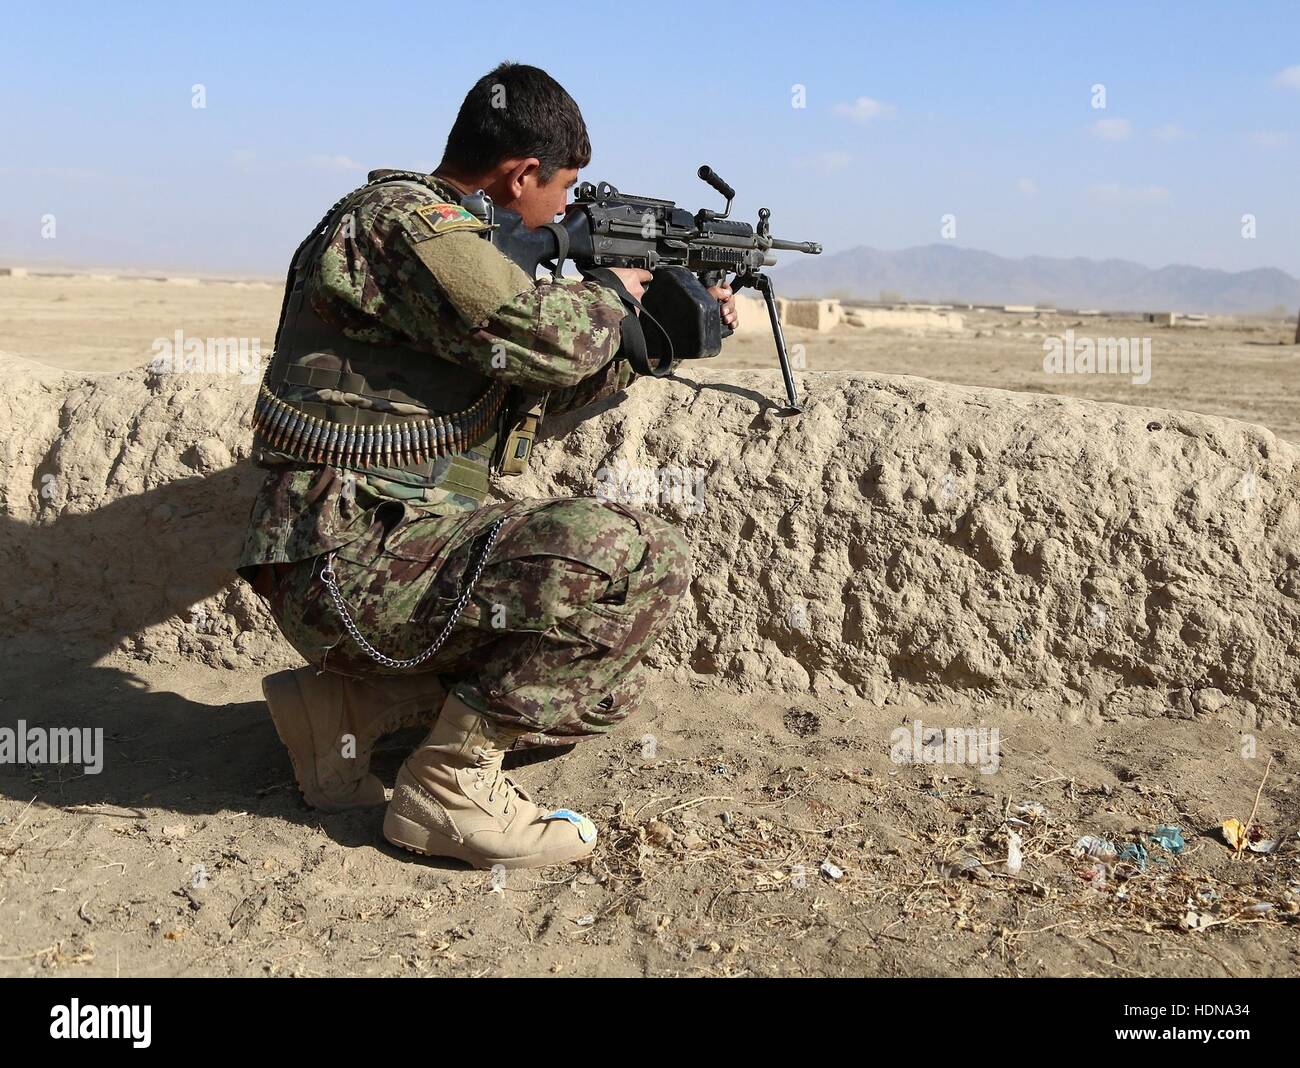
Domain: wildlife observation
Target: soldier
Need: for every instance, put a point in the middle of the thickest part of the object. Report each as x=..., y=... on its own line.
x=413, y=360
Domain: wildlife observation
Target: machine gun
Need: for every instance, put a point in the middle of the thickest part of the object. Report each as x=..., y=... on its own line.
x=687, y=254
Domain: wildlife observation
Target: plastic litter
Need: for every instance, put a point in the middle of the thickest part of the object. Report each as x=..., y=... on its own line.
x=586, y=829
x=1015, y=858
x=1135, y=854
x=1090, y=845
x=1170, y=837
x=1096, y=876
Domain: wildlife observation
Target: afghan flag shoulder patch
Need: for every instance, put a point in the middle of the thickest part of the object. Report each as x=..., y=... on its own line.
x=444, y=218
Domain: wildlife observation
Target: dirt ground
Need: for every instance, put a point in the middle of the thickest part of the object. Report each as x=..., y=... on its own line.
x=741, y=835
x=191, y=853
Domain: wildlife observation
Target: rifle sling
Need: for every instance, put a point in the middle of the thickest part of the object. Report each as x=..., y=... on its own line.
x=634, y=348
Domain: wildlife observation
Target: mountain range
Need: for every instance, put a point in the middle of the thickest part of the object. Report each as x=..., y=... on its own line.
x=945, y=273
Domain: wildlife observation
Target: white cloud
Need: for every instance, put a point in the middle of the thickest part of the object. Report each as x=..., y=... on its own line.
x=865, y=110
x=1113, y=193
x=826, y=162
x=1289, y=78
x=1112, y=129
x=1170, y=131
x=1027, y=186
x=334, y=163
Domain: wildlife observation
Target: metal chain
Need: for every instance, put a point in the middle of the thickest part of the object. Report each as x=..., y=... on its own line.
x=329, y=578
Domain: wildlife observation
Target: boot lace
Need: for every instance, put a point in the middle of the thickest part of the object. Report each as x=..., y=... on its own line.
x=497, y=782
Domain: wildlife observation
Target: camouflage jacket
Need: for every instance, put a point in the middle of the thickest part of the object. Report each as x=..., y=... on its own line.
x=456, y=294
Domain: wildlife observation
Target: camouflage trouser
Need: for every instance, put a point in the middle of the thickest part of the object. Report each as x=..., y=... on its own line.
x=572, y=594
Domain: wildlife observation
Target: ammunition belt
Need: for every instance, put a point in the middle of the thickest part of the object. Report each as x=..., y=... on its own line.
x=394, y=441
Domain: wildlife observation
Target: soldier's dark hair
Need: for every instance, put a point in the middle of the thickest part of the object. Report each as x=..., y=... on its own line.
x=516, y=111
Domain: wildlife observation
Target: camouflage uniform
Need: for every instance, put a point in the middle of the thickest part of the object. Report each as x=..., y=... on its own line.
x=574, y=590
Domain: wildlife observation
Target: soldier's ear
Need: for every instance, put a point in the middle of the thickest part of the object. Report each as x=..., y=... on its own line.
x=522, y=174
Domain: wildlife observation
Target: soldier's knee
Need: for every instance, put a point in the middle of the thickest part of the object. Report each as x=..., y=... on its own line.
x=617, y=539
x=581, y=529
x=668, y=556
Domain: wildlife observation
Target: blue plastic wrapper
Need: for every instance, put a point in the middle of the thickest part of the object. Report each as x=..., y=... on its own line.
x=1169, y=837
x=586, y=829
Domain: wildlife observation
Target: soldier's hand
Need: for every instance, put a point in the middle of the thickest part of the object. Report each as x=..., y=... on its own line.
x=634, y=279
x=728, y=303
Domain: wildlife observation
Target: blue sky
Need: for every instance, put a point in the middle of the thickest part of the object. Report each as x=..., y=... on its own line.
x=913, y=112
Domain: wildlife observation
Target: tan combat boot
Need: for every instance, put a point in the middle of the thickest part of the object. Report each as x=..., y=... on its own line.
x=330, y=723
x=453, y=800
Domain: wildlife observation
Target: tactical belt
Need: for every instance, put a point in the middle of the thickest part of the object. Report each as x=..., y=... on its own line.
x=392, y=442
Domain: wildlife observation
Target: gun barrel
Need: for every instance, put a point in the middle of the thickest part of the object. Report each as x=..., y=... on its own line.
x=813, y=248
